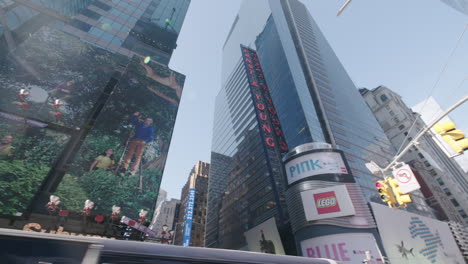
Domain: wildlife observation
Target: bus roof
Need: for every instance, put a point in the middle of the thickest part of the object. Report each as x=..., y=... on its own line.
x=135, y=248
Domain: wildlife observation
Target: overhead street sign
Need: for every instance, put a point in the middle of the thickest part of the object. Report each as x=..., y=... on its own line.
x=406, y=179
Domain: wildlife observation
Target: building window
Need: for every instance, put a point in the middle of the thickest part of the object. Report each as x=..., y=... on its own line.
x=463, y=213
x=91, y=14
x=433, y=172
x=401, y=127
x=421, y=155
x=80, y=25
x=447, y=191
x=406, y=133
x=440, y=181
x=455, y=202
x=392, y=113
x=383, y=97
x=427, y=163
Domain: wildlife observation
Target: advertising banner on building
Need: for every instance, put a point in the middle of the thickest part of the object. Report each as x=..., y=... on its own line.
x=349, y=248
x=189, y=218
x=265, y=238
x=265, y=110
x=411, y=238
x=313, y=164
x=53, y=88
x=327, y=203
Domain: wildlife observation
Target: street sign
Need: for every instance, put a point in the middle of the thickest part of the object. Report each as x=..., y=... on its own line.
x=134, y=224
x=406, y=179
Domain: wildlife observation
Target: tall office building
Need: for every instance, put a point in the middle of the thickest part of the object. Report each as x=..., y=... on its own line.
x=315, y=101
x=165, y=214
x=197, y=185
x=401, y=124
x=459, y=5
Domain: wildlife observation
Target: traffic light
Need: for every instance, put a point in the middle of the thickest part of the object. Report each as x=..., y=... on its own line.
x=385, y=193
x=454, y=137
x=401, y=198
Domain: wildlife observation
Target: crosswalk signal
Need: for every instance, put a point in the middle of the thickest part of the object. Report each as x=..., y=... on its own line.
x=385, y=193
x=454, y=137
x=402, y=199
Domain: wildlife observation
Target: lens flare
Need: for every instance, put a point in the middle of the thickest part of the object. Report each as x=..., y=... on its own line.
x=147, y=60
x=106, y=27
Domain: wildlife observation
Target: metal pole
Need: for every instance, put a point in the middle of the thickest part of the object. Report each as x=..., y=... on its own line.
x=415, y=140
x=343, y=7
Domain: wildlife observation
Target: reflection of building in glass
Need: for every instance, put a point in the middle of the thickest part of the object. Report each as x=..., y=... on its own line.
x=198, y=180
x=144, y=28
x=439, y=171
x=459, y=5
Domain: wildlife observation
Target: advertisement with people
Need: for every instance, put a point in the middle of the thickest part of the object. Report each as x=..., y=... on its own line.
x=57, y=80
x=411, y=238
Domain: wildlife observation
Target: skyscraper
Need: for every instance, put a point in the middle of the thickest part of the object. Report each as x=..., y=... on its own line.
x=401, y=124
x=198, y=181
x=459, y=5
x=315, y=100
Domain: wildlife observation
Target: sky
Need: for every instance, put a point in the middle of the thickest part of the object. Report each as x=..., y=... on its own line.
x=408, y=46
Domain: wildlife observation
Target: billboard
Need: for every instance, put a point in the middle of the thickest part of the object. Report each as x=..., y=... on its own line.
x=56, y=79
x=348, y=248
x=327, y=202
x=411, y=238
x=265, y=238
x=189, y=218
x=313, y=164
x=28, y=149
x=270, y=126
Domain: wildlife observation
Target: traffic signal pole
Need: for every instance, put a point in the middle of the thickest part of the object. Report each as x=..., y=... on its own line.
x=424, y=131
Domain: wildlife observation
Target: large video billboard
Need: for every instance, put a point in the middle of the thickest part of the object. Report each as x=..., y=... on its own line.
x=411, y=238
x=57, y=80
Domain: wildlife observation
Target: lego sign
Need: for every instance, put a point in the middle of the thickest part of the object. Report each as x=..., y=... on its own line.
x=312, y=164
x=327, y=203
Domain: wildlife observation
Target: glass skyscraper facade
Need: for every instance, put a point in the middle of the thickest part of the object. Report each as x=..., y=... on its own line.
x=315, y=99
x=147, y=28
x=459, y=5
x=247, y=186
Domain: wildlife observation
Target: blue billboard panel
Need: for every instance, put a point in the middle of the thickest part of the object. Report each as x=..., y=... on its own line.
x=189, y=218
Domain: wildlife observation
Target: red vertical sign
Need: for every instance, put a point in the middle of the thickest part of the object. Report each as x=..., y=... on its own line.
x=265, y=110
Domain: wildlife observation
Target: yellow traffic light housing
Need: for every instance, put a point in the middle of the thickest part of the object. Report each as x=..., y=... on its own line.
x=402, y=199
x=454, y=137
x=385, y=193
